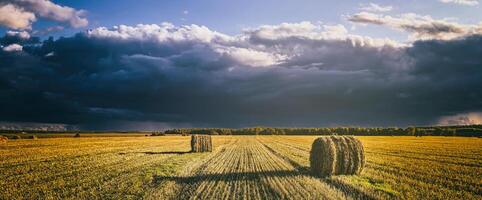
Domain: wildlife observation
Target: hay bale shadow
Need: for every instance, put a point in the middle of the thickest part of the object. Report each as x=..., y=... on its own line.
x=167, y=152
x=348, y=190
x=228, y=177
x=157, y=153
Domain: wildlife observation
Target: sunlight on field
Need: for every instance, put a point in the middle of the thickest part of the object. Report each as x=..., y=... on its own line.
x=406, y=167
x=255, y=167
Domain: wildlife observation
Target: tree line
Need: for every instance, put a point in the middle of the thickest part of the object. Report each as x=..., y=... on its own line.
x=469, y=131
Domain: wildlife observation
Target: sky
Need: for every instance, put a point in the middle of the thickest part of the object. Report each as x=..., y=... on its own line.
x=143, y=65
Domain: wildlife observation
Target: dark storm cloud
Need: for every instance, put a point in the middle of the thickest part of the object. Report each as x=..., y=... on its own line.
x=159, y=76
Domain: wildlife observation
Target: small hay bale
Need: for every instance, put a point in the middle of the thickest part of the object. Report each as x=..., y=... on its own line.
x=3, y=139
x=17, y=137
x=33, y=137
x=157, y=134
x=77, y=135
x=201, y=143
x=336, y=155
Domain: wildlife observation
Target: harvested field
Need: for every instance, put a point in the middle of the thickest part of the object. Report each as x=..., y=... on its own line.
x=239, y=167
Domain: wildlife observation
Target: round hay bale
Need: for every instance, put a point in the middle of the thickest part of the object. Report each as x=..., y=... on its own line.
x=336, y=155
x=3, y=139
x=77, y=135
x=17, y=137
x=201, y=143
x=194, y=143
x=323, y=157
x=33, y=137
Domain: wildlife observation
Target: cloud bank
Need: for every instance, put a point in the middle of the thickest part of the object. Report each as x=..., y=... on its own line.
x=291, y=74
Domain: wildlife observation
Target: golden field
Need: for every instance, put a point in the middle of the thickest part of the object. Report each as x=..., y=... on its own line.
x=240, y=167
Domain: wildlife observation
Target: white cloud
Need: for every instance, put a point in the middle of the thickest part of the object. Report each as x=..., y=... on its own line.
x=12, y=48
x=302, y=29
x=372, y=7
x=420, y=27
x=50, y=54
x=16, y=18
x=462, y=2
x=48, y=30
x=52, y=11
x=309, y=31
x=252, y=57
x=253, y=47
x=161, y=33
x=20, y=34
x=20, y=14
x=461, y=119
x=185, y=12
x=307, y=45
x=168, y=33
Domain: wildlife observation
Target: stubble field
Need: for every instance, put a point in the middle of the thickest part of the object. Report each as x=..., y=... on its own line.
x=240, y=167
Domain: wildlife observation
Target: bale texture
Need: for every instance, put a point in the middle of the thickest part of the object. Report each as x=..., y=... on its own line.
x=336, y=155
x=323, y=157
x=201, y=143
x=3, y=139
x=358, y=155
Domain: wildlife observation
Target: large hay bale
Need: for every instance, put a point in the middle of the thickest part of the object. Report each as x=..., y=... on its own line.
x=17, y=137
x=3, y=139
x=336, y=155
x=77, y=135
x=201, y=143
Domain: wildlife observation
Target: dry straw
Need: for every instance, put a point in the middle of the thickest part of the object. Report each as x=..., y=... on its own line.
x=336, y=155
x=201, y=143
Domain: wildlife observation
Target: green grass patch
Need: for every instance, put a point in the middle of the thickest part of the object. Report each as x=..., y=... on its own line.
x=377, y=185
